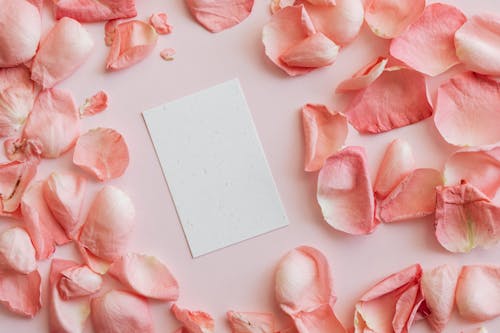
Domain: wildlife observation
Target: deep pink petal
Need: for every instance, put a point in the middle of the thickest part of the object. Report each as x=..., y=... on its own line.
x=364, y=77
x=95, y=104
x=159, y=21
x=14, y=179
x=194, y=321
x=16, y=251
x=20, y=293
x=314, y=51
x=251, y=322
x=94, y=10
x=219, y=15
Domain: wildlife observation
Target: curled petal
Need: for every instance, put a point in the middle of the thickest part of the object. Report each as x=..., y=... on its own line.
x=478, y=292
x=251, y=322
x=404, y=309
x=324, y=134
x=389, y=18
x=194, y=321
x=277, y=5
x=478, y=44
x=219, y=15
x=65, y=47
x=428, y=44
x=95, y=104
x=397, y=98
x=133, y=41
x=414, y=197
x=110, y=31
x=102, y=152
x=94, y=10
x=315, y=51
x=466, y=111
x=20, y=293
x=364, y=77
x=146, y=276
x=20, y=149
x=14, y=179
x=159, y=21
x=16, y=251
x=167, y=54
x=54, y=122
x=98, y=265
x=345, y=193
x=77, y=281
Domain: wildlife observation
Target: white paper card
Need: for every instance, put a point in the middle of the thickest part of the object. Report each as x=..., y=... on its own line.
x=215, y=168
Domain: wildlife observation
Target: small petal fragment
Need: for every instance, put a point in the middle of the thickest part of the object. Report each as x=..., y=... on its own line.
x=20, y=293
x=324, y=134
x=159, y=21
x=167, y=54
x=102, y=152
x=16, y=251
x=478, y=292
x=219, y=15
x=133, y=41
x=66, y=46
x=194, y=321
x=345, y=192
x=315, y=51
x=94, y=10
x=95, y=104
x=467, y=112
x=251, y=322
x=77, y=281
x=428, y=45
x=14, y=179
x=364, y=77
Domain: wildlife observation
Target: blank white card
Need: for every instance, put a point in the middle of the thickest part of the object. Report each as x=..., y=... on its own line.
x=215, y=168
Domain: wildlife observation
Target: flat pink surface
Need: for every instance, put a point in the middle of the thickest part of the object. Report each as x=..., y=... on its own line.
x=241, y=277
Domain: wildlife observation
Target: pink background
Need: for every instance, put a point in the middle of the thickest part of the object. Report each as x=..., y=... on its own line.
x=241, y=277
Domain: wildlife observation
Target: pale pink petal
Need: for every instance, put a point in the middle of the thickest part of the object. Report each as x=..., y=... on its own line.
x=133, y=41
x=16, y=251
x=20, y=33
x=277, y=5
x=414, y=197
x=345, y=192
x=286, y=29
x=146, y=276
x=95, y=104
x=14, y=179
x=94, y=10
x=466, y=112
x=364, y=77
x=194, y=321
x=465, y=218
x=324, y=134
x=397, y=98
x=21, y=149
x=478, y=44
x=438, y=287
x=478, y=292
x=389, y=18
x=219, y=15
x=167, y=54
x=110, y=31
x=66, y=46
x=251, y=322
x=428, y=44
x=102, y=152
x=77, y=281
x=398, y=162
x=109, y=224
x=315, y=51
x=159, y=21
x=95, y=263
x=54, y=122
x=20, y=293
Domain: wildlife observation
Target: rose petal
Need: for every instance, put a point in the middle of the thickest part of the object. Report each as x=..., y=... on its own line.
x=159, y=21
x=315, y=51
x=397, y=98
x=20, y=293
x=77, y=281
x=277, y=5
x=102, y=152
x=133, y=41
x=414, y=197
x=167, y=54
x=466, y=111
x=94, y=10
x=478, y=292
x=146, y=276
x=465, y=218
x=110, y=31
x=20, y=149
x=478, y=44
x=324, y=134
x=65, y=47
x=16, y=251
x=219, y=15
x=95, y=104
x=14, y=179
x=345, y=193
x=364, y=77
x=98, y=265
x=194, y=321
x=405, y=305
x=389, y=18
x=109, y=224
x=251, y=322
x=119, y=312
x=54, y=122
x=20, y=33
x=286, y=28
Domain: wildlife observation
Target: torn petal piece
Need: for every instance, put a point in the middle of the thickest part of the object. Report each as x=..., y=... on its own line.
x=146, y=276
x=324, y=134
x=95, y=104
x=65, y=47
x=78, y=281
x=16, y=251
x=94, y=10
x=102, y=152
x=14, y=179
x=478, y=292
x=20, y=293
x=159, y=21
x=315, y=51
x=428, y=44
x=277, y=5
x=133, y=41
x=345, y=193
x=466, y=112
x=167, y=54
x=364, y=77
x=251, y=322
x=219, y=15
x=194, y=321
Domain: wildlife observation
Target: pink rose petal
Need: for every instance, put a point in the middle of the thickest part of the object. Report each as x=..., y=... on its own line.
x=66, y=46
x=95, y=104
x=54, y=122
x=218, y=15
x=21, y=149
x=397, y=98
x=389, y=18
x=478, y=44
x=403, y=315
x=146, y=276
x=466, y=111
x=14, y=179
x=251, y=322
x=110, y=31
x=277, y=5
x=478, y=292
x=324, y=134
x=95, y=263
x=414, y=197
x=20, y=293
x=159, y=21
x=345, y=193
x=133, y=41
x=428, y=44
x=94, y=10
x=78, y=281
x=16, y=251
x=167, y=54
x=194, y=321
x=314, y=51
x=364, y=77
x=102, y=152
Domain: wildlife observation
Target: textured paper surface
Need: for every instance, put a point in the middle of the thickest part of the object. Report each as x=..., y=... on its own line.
x=215, y=168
